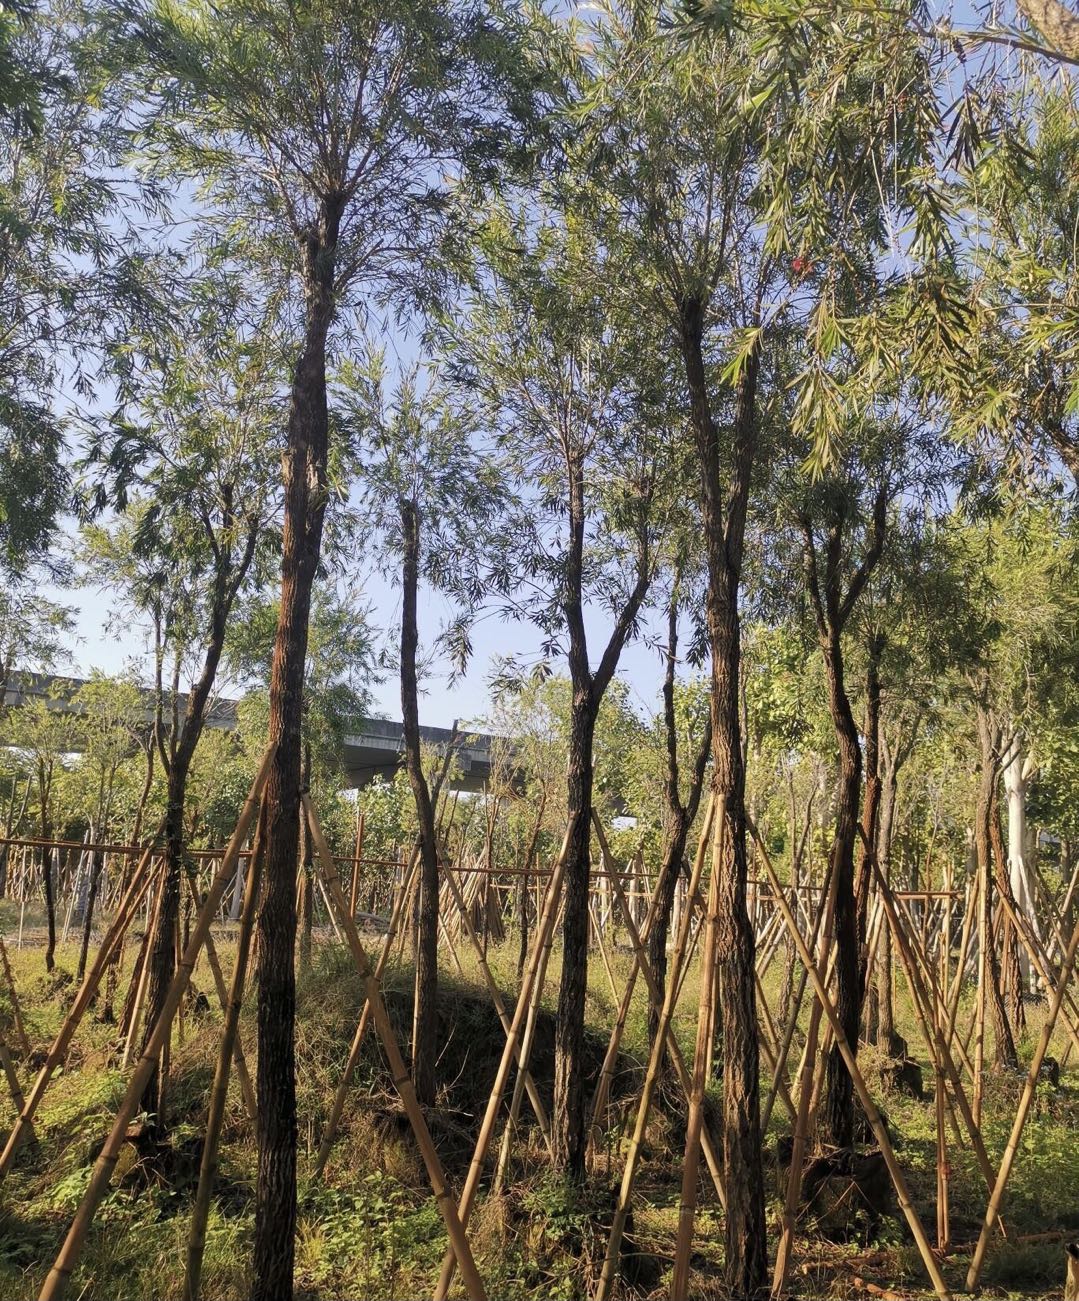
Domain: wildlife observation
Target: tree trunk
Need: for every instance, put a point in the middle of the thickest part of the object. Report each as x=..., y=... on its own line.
x=307, y=875
x=838, y=1110
x=161, y=954
x=871, y=805
x=746, y=1227
x=425, y=1007
x=886, y=1035
x=1004, y=1053
x=96, y=861
x=1012, y=967
x=43, y=784
x=305, y=474
x=569, y=1108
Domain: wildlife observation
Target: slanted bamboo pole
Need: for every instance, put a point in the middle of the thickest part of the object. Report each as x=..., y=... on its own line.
x=930, y=1026
x=56, y=1282
x=673, y=1048
x=247, y=1088
x=695, y=1119
x=806, y=1075
x=1034, y=948
x=613, y=1256
x=496, y=999
x=404, y=893
x=1027, y=1097
x=796, y=1006
x=140, y=881
x=15, y=1089
x=230, y=1040
x=401, y=1078
x=877, y=1125
x=16, y=1010
x=614, y=1042
x=544, y=929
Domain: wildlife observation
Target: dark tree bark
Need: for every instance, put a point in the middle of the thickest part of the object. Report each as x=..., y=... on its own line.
x=832, y=608
x=678, y=818
x=588, y=687
x=44, y=785
x=1013, y=967
x=307, y=877
x=229, y=573
x=871, y=803
x=723, y=526
x=305, y=482
x=1004, y=1053
x=425, y=1007
x=96, y=861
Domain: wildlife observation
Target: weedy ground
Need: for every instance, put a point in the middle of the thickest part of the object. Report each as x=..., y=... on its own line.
x=370, y=1229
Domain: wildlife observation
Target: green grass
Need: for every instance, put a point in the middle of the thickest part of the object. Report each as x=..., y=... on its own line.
x=371, y=1228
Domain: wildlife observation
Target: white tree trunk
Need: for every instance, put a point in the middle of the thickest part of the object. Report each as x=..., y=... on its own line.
x=1017, y=773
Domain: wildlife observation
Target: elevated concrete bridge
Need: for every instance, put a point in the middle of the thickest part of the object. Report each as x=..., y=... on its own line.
x=374, y=747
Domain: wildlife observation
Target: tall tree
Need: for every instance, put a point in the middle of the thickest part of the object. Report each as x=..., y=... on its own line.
x=434, y=499
x=187, y=462
x=555, y=350
x=326, y=138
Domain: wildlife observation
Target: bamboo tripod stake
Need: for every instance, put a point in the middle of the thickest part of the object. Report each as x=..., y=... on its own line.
x=1027, y=1097
x=56, y=1283
x=673, y=1048
x=483, y=1140
x=499, y=1005
x=230, y=1040
x=705, y=1025
x=404, y=893
x=613, y=1256
x=401, y=1078
x=139, y=882
x=868, y=1106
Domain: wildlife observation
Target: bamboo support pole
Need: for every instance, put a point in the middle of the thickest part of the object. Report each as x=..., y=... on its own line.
x=930, y=1026
x=140, y=881
x=811, y=1060
x=695, y=1118
x=247, y=1088
x=1027, y=1097
x=877, y=1125
x=499, y=1006
x=355, y=887
x=614, y=1042
x=544, y=929
x=1036, y=951
x=56, y=1282
x=16, y=1010
x=230, y=1041
x=15, y=1089
x=401, y=1078
x=612, y=1258
x=404, y=893
x=796, y=1007
x=673, y=1048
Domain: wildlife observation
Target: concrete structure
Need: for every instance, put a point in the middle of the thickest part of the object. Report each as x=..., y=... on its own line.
x=374, y=747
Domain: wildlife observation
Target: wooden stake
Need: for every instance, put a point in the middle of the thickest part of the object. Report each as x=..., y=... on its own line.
x=1008, y=1159
x=56, y=1283
x=404, y=893
x=695, y=1119
x=401, y=1078
x=612, y=1259
x=140, y=881
x=877, y=1125
x=230, y=1041
x=544, y=928
x=16, y=1010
